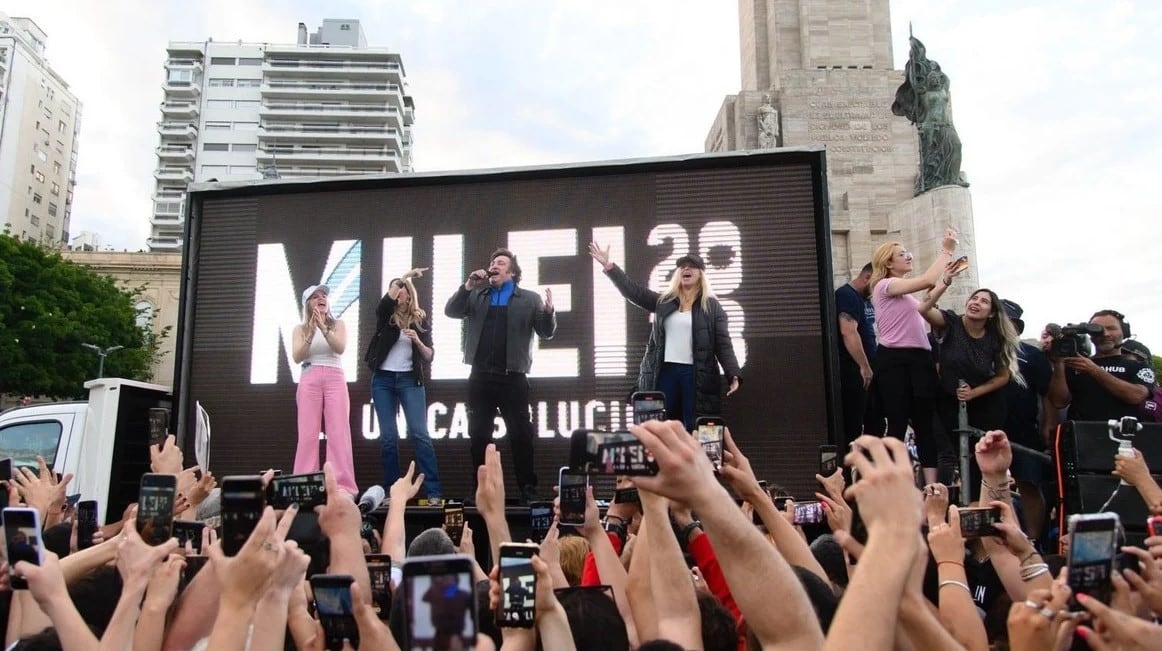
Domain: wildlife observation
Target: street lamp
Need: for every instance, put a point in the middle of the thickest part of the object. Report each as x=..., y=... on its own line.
x=101, y=353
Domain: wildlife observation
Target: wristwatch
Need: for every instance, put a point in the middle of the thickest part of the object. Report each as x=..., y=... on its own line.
x=684, y=534
x=617, y=528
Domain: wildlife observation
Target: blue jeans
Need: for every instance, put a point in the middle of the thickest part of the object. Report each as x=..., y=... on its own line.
x=389, y=391
x=676, y=381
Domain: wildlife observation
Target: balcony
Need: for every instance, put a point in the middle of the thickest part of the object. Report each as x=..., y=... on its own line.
x=183, y=63
x=173, y=154
x=313, y=89
x=167, y=193
x=180, y=174
x=164, y=242
x=185, y=89
x=314, y=68
x=334, y=155
x=351, y=112
x=177, y=131
x=180, y=110
x=300, y=132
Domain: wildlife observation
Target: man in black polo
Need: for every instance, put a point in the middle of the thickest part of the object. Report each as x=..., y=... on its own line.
x=857, y=348
x=501, y=319
x=1107, y=386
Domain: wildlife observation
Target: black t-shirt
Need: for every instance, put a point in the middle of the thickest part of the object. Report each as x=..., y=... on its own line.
x=849, y=302
x=963, y=357
x=1092, y=402
x=1022, y=423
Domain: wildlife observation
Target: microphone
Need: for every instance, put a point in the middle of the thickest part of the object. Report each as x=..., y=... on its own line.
x=492, y=273
x=371, y=499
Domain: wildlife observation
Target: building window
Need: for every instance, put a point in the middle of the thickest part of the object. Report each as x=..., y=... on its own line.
x=241, y=147
x=217, y=126
x=50, y=231
x=39, y=176
x=40, y=154
x=251, y=104
x=211, y=171
x=56, y=167
x=245, y=126
x=56, y=188
x=248, y=83
x=221, y=61
x=344, y=27
x=184, y=76
x=215, y=146
x=244, y=61
x=32, y=169
x=61, y=126
x=37, y=198
x=144, y=315
x=51, y=209
x=218, y=82
x=35, y=219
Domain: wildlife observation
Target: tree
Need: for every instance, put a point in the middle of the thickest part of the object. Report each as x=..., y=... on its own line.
x=49, y=306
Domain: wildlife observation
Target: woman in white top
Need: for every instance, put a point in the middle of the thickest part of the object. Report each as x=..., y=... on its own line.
x=322, y=399
x=688, y=340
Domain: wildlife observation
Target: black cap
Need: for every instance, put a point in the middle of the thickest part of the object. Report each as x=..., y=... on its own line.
x=1137, y=348
x=1014, y=312
x=691, y=260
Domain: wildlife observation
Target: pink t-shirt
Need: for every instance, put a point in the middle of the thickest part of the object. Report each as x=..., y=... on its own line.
x=898, y=322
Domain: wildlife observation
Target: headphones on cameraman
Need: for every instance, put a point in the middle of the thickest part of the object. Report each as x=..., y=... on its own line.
x=1117, y=315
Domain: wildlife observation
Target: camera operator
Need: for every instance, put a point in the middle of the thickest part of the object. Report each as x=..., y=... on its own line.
x=1109, y=385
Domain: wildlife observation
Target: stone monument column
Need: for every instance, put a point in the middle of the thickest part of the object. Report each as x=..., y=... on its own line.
x=929, y=214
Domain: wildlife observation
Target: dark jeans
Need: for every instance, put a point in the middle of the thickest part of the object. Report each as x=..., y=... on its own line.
x=854, y=398
x=508, y=393
x=389, y=391
x=676, y=381
x=906, y=386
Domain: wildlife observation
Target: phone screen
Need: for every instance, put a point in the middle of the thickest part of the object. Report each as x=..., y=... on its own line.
x=1091, y=557
x=243, y=500
x=610, y=453
x=6, y=469
x=158, y=425
x=187, y=531
x=21, y=541
x=709, y=434
x=978, y=521
x=332, y=594
x=572, y=487
x=454, y=521
x=440, y=604
x=828, y=460
x=155, y=504
x=540, y=519
x=379, y=569
x=86, y=523
x=307, y=490
x=517, y=585
x=648, y=406
x=808, y=512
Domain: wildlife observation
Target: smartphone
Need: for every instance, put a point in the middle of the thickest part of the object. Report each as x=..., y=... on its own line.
x=5, y=475
x=155, y=503
x=194, y=564
x=189, y=531
x=367, y=533
x=610, y=453
x=307, y=490
x=977, y=521
x=158, y=425
x=1154, y=525
x=959, y=265
x=809, y=512
x=828, y=460
x=540, y=519
x=571, y=487
x=709, y=432
x=332, y=594
x=86, y=523
x=627, y=496
x=243, y=500
x=454, y=520
x=1092, y=547
x=439, y=603
x=379, y=570
x=21, y=541
x=518, y=586
x=648, y=405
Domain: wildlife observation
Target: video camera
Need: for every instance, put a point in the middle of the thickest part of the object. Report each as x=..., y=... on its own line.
x=1072, y=340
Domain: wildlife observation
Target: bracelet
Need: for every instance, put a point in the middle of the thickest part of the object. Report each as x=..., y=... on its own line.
x=1034, y=571
x=959, y=584
x=1029, y=556
x=958, y=563
x=947, y=282
x=620, y=520
x=684, y=534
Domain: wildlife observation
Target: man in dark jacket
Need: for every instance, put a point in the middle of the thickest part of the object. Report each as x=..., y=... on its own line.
x=501, y=319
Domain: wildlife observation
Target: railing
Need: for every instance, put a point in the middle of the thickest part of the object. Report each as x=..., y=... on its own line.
x=298, y=128
x=326, y=152
x=299, y=85
x=336, y=65
x=330, y=108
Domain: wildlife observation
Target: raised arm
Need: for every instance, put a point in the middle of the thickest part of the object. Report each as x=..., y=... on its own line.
x=927, y=307
x=931, y=277
x=545, y=316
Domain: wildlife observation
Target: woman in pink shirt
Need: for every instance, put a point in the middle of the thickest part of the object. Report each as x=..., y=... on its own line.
x=905, y=372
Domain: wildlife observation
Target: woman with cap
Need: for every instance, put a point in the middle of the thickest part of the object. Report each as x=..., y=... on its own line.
x=905, y=372
x=322, y=399
x=688, y=340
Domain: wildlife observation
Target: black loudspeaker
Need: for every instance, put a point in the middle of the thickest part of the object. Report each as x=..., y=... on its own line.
x=1085, y=461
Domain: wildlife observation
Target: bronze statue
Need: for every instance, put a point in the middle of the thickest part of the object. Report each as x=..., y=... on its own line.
x=923, y=98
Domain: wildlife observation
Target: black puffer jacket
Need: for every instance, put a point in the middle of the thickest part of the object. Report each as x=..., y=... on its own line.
x=711, y=343
x=386, y=334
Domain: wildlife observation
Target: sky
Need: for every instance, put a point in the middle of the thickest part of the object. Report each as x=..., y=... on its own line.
x=1058, y=104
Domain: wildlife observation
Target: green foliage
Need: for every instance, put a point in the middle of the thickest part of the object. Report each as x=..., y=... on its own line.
x=1157, y=360
x=49, y=306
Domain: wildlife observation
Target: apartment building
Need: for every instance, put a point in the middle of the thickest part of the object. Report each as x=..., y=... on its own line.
x=325, y=105
x=39, y=123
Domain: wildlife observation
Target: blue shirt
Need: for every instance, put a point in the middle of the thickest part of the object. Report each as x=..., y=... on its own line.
x=501, y=295
x=849, y=302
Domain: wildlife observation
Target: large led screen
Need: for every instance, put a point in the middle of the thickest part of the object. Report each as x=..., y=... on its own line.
x=757, y=220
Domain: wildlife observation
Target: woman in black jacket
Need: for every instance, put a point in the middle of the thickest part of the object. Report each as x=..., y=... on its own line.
x=688, y=340
x=400, y=358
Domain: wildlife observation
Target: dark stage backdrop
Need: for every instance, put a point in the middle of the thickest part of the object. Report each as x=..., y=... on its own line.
x=758, y=220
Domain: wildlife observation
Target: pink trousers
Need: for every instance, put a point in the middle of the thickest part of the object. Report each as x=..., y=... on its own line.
x=323, y=402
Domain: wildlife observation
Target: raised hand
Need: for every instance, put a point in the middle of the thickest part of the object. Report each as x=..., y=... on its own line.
x=476, y=279
x=599, y=254
x=886, y=491
x=548, y=300
x=994, y=455
x=490, y=483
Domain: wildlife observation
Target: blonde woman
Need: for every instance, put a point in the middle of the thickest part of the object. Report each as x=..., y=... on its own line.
x=688, y=340
x=905, y=372
x=400, y=359
x=318, y=344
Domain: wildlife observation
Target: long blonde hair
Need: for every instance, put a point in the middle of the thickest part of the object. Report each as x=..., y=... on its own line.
x=1004, y=330
x=674, y=290
x=880, y=260
x=410, y=315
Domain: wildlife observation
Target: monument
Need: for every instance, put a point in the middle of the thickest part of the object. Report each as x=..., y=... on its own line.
x=822, y=71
